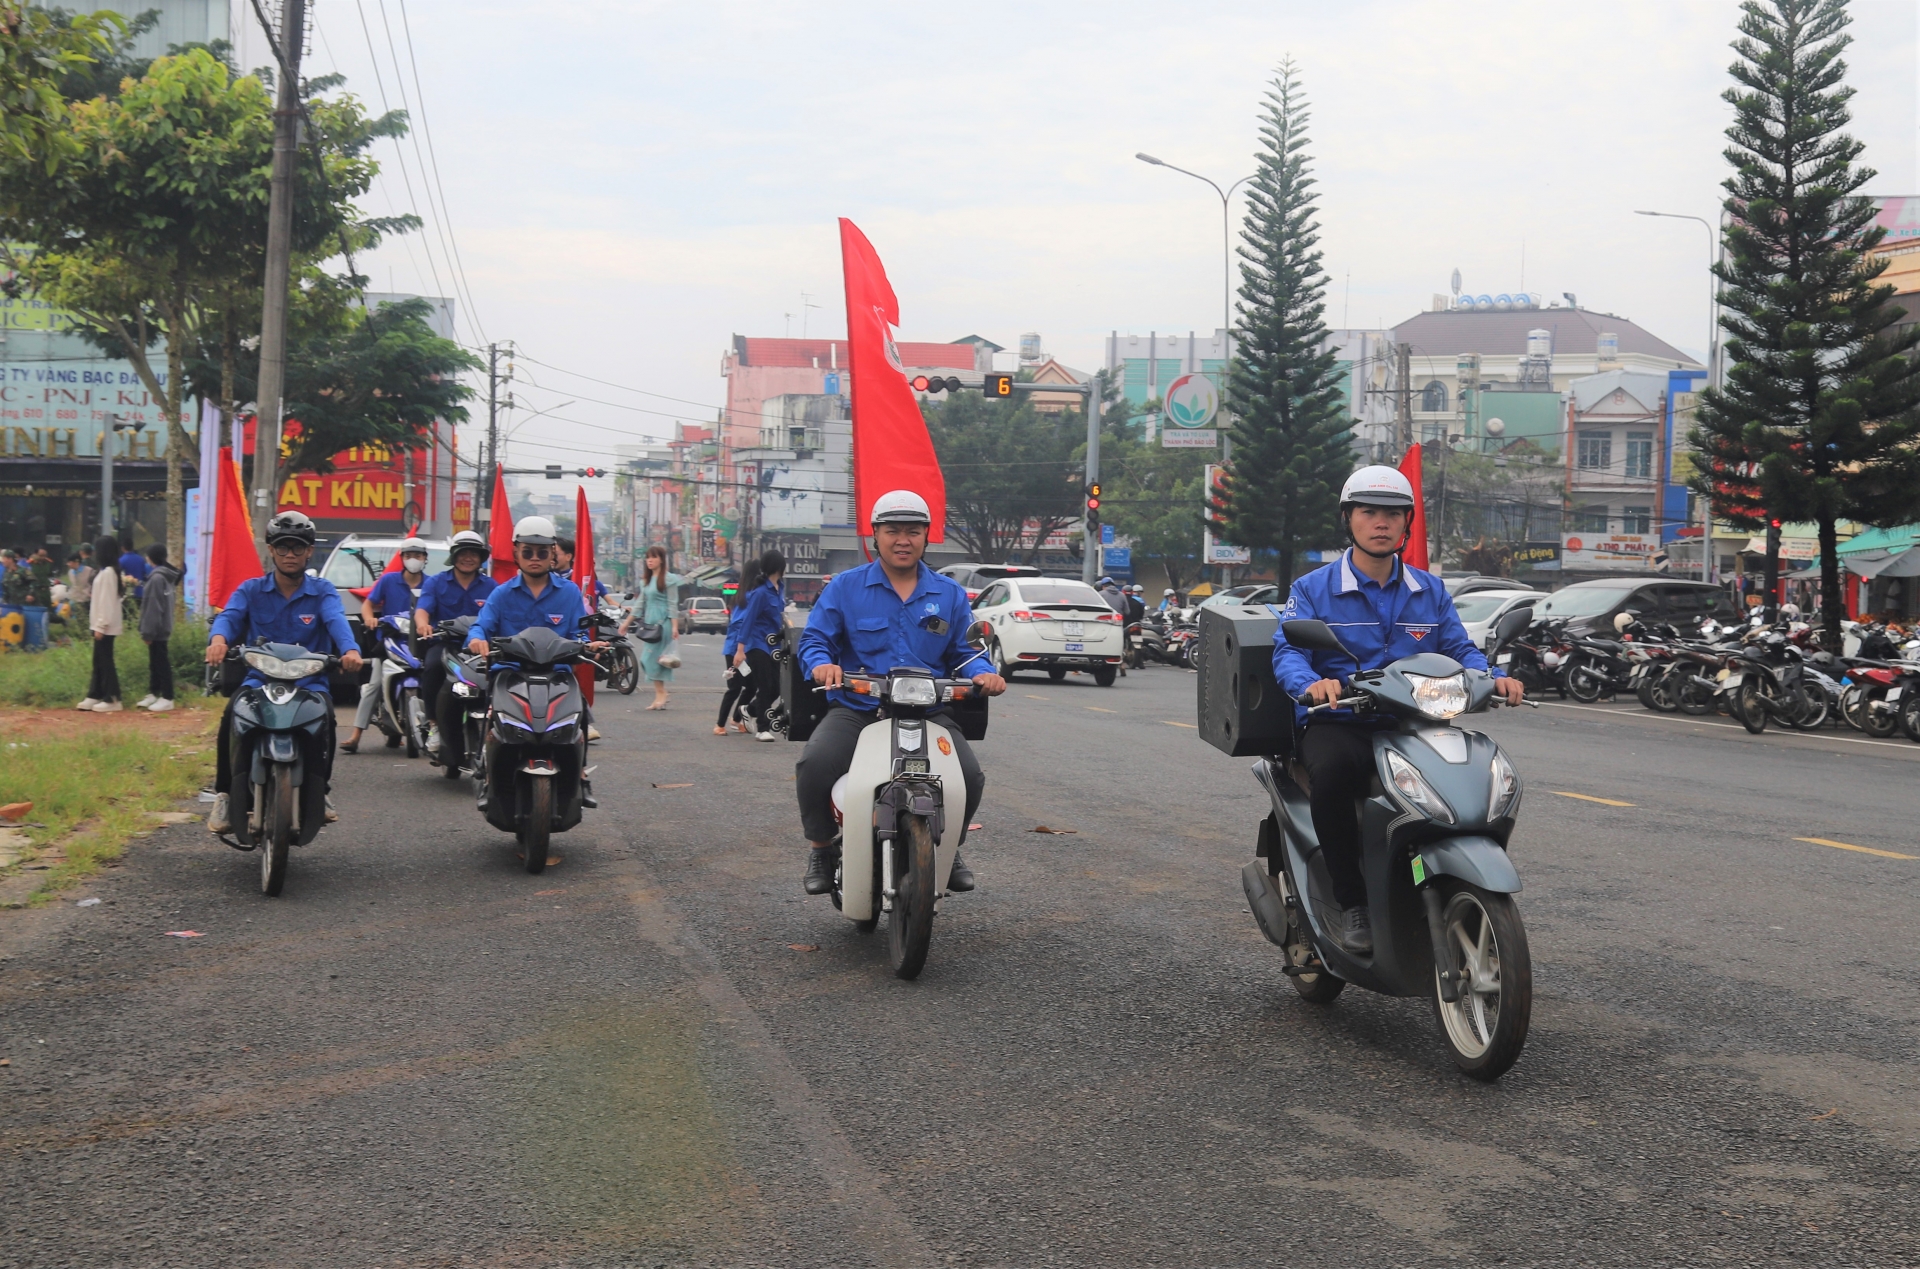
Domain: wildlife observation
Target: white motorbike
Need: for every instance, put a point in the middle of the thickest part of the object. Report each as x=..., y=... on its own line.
x=907, y=795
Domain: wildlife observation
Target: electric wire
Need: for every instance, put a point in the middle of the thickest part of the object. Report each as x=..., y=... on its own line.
x=426, y=128
x=399, y=151
x=526, y=356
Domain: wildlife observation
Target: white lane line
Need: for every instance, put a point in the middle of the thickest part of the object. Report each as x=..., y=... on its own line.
x=1701, y=722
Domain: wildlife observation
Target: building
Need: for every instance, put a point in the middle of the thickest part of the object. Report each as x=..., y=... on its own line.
x=1047, y=370
x=1616, y=465
x=181, y=21
x=757, y=370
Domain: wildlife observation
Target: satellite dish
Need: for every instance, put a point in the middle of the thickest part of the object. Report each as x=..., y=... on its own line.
x=1496, y=427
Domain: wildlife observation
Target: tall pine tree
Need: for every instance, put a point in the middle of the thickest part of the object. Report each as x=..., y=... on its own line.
x=1291, y=448
x=1821, y=409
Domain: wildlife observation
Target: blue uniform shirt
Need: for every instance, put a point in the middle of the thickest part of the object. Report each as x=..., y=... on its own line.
x=732, y=641
x=762, y=612
x=312, y=618
x=134, y=565
x=511, y=608
x=1379, y=625
x=860, y=624
x=443, y=598
x=392, y=594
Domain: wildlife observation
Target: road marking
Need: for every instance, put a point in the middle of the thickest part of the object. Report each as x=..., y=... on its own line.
x=1096, y=709
x=1030, y=696
x=1588, y=797
x=1616, y=712
x=1189, y=726
x=1865, y=850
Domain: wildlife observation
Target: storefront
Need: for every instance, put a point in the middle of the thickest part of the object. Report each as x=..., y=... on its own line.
x=50, y=496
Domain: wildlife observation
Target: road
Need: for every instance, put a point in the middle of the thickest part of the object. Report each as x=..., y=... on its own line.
x=661, y=1053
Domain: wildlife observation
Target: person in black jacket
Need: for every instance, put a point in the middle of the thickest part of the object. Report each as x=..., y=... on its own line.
x=156, y=630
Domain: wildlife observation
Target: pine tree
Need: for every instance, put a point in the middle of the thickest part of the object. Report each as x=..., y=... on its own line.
x=1821, y=409
x=1291, y=447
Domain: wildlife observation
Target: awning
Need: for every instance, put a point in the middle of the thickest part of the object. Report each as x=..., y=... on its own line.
x=1881, y=541
x=1885, y=564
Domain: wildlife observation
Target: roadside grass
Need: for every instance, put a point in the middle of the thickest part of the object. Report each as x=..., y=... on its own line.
x=57, y=676
x=95, y=791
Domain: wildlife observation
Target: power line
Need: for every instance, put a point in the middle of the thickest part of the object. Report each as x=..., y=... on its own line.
x=427, y=128
x=399, y=151
x=611, y=384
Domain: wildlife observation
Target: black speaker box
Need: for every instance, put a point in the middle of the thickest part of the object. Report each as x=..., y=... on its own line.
x=804, y=707
x=1243, y=712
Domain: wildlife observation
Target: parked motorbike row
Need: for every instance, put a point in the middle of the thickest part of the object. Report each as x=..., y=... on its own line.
x=1162, y=640
x=1759, y=674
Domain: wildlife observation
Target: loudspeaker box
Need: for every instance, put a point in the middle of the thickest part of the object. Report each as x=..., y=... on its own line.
x=1243, y=712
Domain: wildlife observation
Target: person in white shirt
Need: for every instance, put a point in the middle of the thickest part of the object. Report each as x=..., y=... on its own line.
x=103, y=692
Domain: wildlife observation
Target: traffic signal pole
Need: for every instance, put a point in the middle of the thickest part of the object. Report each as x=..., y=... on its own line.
x=1090, y=537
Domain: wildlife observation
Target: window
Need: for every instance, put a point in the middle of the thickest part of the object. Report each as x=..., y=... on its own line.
x=1433, y=398
x=1054, y=591
x=1640, y=456
x=1596, y=451
x=1636, y=519
x=993, y=596
x=1590, y=520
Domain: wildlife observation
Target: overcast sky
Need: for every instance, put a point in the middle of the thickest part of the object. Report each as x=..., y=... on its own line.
x=628, y=185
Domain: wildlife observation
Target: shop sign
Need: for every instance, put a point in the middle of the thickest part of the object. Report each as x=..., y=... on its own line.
x=1608, y=550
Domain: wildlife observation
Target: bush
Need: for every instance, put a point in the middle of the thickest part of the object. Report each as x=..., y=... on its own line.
x=58, y=676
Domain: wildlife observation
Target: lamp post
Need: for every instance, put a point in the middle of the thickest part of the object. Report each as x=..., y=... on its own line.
x=1707, y=569
x=114, y=424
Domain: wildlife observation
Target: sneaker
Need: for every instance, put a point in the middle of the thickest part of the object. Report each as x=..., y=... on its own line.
x=593, y=733
x=217, y=817
x=333, y=816
x=108, y=707
x=88, y=703
x=765, y=735
x=145, y=701
x=819, y=877
x=1356, y=930
x=159, y=707
x=960, y=880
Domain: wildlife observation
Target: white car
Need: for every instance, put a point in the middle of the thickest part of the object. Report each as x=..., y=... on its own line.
x=704, y=612
x=1480, y=609
x=1051, y=624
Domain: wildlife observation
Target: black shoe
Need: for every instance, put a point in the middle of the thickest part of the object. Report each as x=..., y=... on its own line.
x=393, y=742
x=1356, y=930
x=819, y=878
x=960, y=880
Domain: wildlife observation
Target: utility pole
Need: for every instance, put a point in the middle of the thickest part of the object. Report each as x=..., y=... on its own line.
x=1403, y=395
x=269, y=398
x=1090, y=547
x=483, y=478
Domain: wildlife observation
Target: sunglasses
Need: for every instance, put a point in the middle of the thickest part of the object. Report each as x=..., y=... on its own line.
x=534, y=552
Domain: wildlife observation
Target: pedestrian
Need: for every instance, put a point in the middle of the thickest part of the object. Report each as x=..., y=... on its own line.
x=763, y=624
x=156, y=630
x=133, y=565
x=103, y=690
x=659, y=605
x=739, y=684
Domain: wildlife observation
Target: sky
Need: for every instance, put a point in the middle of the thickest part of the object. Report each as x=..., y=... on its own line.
x=620, y=188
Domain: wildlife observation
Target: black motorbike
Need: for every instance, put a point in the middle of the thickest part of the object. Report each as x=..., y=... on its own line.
x=467, y=683
x=534, y=779
x=1535, y=653
x=1766, y=682
x=281, y=735
x=1147, y=641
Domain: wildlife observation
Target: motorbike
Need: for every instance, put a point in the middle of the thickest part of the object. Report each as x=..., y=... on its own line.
x=1765, y=682
x=281, y=733
x=623, y=666
x=1434, y=834
x=903, y=797
x=1147, y=641
x=1535, y=654
x=401, y=713
x=533, y=779
x=467, y=681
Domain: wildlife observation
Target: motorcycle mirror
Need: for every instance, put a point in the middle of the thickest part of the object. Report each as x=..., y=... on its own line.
x=979, y=635
x=1312, y=635
x=1516, y=620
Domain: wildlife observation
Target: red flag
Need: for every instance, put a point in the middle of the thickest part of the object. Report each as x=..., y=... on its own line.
x=500, y=528
x=891, y=448
x=232, y=559
x=583, y=549
x=1415, y=551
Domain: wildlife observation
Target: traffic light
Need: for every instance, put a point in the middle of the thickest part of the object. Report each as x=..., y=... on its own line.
x=998, y=386
x=591, y=472
x=922, y=383
x=1093, y=499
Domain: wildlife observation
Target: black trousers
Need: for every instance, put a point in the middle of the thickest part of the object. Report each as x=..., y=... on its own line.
x=223, y=749
x=764, y=683
x=1338, y=756
x=830, y=752
x=159, y=670
x=736, y=691
x=105, y=683
x=433, y=675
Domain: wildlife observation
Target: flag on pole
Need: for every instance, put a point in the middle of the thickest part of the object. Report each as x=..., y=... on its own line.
x=891, y=448
x=1415, y=552
x=233, y=558
x=500, y=528
x=583, y=575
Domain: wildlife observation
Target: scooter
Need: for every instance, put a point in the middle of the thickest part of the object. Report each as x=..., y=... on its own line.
x=1434, y=834
x=400, y=712
x=281, y=732
x=467, y=681
x=898, y=853
x=534, y=779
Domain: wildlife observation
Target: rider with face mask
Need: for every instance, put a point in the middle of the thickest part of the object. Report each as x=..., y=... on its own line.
x=458, y=592
x=394, y=592
x=1382, y=609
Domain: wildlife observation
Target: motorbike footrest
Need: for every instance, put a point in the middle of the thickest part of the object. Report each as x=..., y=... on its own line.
x=1312, y=967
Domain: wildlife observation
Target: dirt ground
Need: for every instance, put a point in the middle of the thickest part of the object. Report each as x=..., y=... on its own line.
x=179, y=723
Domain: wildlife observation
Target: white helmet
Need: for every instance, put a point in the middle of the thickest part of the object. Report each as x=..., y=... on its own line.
x=901, y=506
x=1376, y=486
x=535, y=531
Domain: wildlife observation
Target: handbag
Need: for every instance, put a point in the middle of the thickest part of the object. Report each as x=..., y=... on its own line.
x=650, y=631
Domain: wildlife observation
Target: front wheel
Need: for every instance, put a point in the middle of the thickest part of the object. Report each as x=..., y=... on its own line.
x=410, y=719
x=1486, y=1026
x=910, y=924
x=626, y=670
x=276, y=827
x=1751, y=707
x=1104, y=676
x=539, y=829
x=1583, y=682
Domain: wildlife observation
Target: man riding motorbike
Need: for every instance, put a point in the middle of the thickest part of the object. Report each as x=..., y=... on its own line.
x=392, y=592
x=458, y=592
x=285, y=606
x=536, y=596
x=894, y=611
x=1383, y=610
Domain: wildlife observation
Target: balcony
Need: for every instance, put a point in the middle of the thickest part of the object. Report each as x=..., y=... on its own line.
x=800, y=439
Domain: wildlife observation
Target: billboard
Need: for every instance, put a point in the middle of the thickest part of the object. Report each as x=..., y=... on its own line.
x=59, y=409
x=1608, y=550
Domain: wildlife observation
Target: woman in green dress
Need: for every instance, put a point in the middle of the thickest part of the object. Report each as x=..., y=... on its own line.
x=659, y=603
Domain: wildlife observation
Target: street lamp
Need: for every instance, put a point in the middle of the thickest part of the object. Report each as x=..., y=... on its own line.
x=114, y=423
x=1707, y=561
x=1226, y=238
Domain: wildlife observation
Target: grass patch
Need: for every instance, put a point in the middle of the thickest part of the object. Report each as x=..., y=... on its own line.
x=96, y=791
x=57, y=677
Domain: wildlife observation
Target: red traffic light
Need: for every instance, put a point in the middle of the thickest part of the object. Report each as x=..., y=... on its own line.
x=593, y=471
x=924, y=383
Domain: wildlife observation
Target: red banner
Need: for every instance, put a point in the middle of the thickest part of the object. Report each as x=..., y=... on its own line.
x=234, y=559
x=500, y=529
x=1415, y=551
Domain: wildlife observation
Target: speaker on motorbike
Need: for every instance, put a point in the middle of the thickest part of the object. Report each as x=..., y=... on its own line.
x=804, y=706
x=1243, y=711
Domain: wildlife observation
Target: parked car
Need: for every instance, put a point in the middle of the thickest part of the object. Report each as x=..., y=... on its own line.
x=1590, y=607
x=1467, y=583
x=704, y=612
x=355, y=564
x=1252, y=593
x=1051, y=624
x=1482, y=609
x=976, y=577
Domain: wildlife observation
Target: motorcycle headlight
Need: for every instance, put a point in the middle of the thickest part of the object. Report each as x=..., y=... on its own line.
x=912, y=691
x=1506, y=787
x=274, y=667
x=1439, y=698
x=1414, y=788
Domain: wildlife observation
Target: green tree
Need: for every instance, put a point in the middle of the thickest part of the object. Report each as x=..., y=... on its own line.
x=1291, y=440
x=1012, y=472
x=39, y=51
x=1821, y=409
x=1150, y=494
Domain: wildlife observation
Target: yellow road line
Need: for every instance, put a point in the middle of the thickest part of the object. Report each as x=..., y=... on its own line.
x=1189, y=726
x=1587, y=797
x=1864, y=850
x=1030, y=696
x=1096, y=709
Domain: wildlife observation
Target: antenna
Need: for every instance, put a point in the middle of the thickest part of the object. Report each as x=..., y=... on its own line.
x=1456, y=281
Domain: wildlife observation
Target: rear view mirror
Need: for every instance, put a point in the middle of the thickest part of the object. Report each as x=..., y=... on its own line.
x=1515, y=620
x=1312, y=635
x=979, y=635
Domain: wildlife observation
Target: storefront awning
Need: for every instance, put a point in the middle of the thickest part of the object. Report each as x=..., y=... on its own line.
x=1884, y=564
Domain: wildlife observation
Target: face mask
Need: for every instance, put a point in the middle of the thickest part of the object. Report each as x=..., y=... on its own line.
x=413, y=564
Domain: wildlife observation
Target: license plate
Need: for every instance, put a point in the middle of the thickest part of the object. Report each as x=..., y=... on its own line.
x=1893, y=694
x=1505, y=658
x=1733, y=680
x=1076, y=647
x=1073, y=629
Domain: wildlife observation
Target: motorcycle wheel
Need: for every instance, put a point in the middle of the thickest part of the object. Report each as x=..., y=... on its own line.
x=1812, y=712
x=626, y=670
x=1583, y=683
x=1320, y=987
x=1879, y=723
x=539, y=829
x=1910, y=715
x=1487, y=1026
x=1853, y=707
x=910, y=924
x=276, y=825
x=1751, y=706
x=1690, y=698
x=1645, y=692
x=409, y=719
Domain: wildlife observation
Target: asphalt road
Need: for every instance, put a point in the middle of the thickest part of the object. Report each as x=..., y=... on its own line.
x=661, y=1053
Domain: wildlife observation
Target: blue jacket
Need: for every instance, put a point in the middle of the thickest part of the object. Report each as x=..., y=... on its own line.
x=762, y=612
x=860, y=624
x=392, y=594
x=444, y=599
x=732, y=641
x=1378, y=624
x=511, y=608
x=312, y=618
